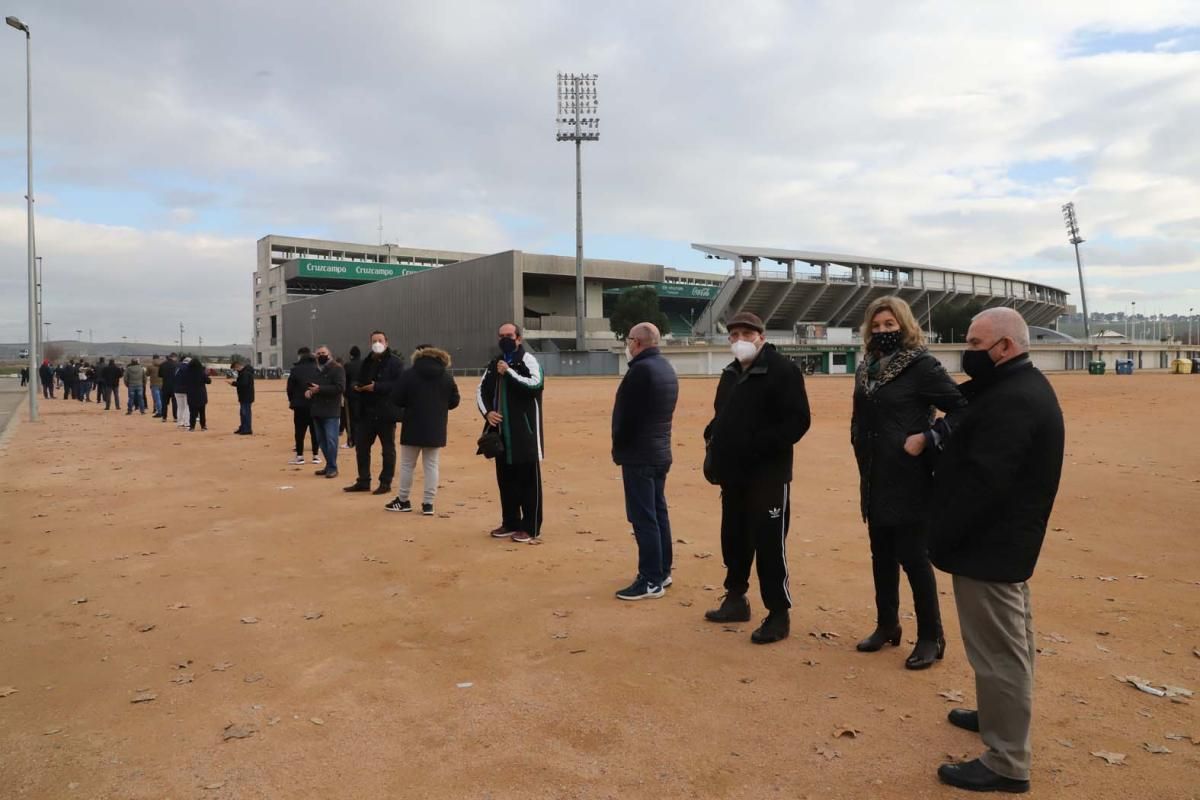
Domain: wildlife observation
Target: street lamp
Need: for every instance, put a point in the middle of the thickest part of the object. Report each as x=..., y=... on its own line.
x=312, y=324
x=1134, y=304
x=578, y=121
x=13, y=22
x=1074, y=238
x=1190, y=339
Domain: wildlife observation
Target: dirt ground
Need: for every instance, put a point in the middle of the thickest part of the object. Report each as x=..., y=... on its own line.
x=448, y=665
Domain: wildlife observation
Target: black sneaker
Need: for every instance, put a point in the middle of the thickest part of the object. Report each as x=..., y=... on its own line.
x=774, y=628
x=734, y=608
x=427, y=509
x=384, y=488
x=357, y=487
x=641, y=589
x=398, y=505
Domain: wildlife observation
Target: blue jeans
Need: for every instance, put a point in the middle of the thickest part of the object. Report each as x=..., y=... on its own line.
x=156, y=396
x=137, y=400
x=646, y=510
x=244, y=419
x=327, y=439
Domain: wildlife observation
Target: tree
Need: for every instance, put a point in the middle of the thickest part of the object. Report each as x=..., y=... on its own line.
x=950, y=324
x=639, y=304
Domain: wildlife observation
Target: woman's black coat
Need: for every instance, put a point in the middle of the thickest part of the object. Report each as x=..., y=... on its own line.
x=894, y=487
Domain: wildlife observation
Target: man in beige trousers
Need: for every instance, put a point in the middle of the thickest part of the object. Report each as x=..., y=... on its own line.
x=994, y=489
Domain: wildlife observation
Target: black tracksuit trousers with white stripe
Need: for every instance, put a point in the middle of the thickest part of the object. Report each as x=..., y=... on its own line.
x=754, y=523
x=520, y=496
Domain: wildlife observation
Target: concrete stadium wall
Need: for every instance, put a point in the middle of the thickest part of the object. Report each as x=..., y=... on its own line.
x=456, y=307
x=1048, y=358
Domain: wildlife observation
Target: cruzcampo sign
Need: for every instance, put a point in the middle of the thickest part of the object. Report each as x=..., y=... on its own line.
x=694, y=291
x=353, y=270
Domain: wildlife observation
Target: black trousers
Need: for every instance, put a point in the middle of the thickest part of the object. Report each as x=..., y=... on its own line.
x=520, y=496
x=196, y=412
x=303, y=422
x=366, y=431
x=168, y=398
x=893, y=547
x=754, y=524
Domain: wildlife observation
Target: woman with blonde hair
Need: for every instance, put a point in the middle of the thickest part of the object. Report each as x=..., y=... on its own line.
x=897, y=386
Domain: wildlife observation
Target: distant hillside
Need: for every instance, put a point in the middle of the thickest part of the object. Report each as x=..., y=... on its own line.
x=119, y=350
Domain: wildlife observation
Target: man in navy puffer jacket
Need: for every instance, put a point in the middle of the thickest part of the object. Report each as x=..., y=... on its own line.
x=641, y=434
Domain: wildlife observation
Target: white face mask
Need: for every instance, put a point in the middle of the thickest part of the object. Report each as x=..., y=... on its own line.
x=744, y=351
x=378, y=347
x=628, y=355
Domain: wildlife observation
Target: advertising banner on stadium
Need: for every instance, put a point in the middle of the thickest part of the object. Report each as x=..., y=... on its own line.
x=353, y=270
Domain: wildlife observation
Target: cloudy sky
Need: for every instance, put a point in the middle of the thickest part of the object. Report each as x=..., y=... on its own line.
x=170, y=136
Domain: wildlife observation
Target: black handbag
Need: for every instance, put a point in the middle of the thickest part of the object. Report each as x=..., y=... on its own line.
x=708, y=462
x=491, y=444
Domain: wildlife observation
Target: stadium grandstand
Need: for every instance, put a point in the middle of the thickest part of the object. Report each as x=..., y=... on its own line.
x=833, y=290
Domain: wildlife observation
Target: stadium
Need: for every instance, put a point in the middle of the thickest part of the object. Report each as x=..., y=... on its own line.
x=309, y=291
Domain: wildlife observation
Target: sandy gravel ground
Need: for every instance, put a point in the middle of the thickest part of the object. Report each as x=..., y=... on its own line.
x=438, y=663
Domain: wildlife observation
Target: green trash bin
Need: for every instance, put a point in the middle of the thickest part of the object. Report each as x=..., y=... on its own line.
x=1095, y=367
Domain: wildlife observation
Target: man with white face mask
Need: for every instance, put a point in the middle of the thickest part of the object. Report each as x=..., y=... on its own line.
x=761, y=412
x=378, y=376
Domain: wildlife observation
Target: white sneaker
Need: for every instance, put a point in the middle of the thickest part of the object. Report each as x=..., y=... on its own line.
x=316, y=459
x=297, y=460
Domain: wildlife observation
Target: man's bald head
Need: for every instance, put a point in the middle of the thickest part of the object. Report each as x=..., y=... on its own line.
x=1005, y=322
x=646, y=334
x=1000, y=331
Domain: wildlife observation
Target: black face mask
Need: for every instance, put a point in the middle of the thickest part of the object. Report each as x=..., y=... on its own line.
x=508, y=346
x=978, y=363
x=887, y=342
x=322, y=360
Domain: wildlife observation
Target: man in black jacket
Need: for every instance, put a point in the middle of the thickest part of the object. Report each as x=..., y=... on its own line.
x=325, y=394
x=46, y=375
x=166, y=371
x=993, y=493
x=509, y=397
x=376, y=419
x=761, y=412
x=245, y=396
x=641, y=436
x=303, y=373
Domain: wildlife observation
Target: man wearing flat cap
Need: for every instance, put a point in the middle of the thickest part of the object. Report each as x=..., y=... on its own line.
x=761, y=411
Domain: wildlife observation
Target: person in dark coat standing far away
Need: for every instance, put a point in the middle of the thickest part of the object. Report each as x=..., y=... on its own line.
x=197, y=394
x=509, y=397
x=426, y=393
x=641, y=446
x=376, y=379
x=761, y=412
x=994, y=489
x=897, y=387
x=245, y=395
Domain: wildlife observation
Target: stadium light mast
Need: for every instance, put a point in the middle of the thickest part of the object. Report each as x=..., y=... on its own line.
x=1074, y=238
x=578, y=121
x=13, y=22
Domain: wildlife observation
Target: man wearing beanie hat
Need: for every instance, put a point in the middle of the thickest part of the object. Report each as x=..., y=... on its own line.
x=761, y=412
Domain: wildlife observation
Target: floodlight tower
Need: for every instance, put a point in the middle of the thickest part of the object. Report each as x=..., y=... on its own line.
x=578, y=121
x=1074, y=238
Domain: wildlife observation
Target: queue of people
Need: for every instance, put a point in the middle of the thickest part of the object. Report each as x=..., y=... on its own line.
x=961, y=477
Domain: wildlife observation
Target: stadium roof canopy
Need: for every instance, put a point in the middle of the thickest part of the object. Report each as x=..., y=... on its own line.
x=839, y=296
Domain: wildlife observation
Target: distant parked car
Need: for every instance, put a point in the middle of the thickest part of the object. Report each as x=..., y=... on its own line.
x=23, y=354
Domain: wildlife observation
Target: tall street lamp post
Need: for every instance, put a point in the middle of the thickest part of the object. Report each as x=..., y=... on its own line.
x=13, y=22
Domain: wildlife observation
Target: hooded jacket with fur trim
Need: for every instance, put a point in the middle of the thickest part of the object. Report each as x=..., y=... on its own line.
x=427, y=393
